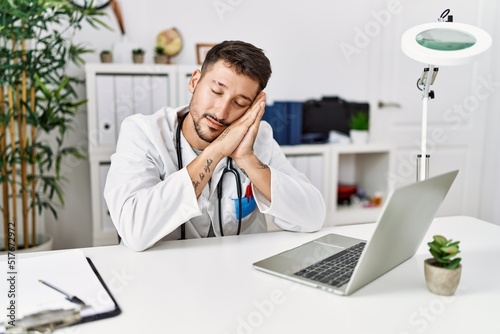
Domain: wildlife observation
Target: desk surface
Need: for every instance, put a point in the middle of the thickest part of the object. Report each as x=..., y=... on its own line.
x=209, y=286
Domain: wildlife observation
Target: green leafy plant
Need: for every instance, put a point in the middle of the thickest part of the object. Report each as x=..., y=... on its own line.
x=38, y=104
x=444, y=252
x=359, y=121
x=159, y=50
x=105, y=52
x=138, y=51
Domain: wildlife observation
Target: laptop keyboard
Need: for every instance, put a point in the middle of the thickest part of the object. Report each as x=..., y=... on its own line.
x=335, y=270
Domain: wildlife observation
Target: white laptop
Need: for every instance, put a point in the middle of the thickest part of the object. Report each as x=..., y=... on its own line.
x=342, y=265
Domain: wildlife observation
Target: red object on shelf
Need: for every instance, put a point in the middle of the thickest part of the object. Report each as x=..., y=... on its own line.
x=345, y=192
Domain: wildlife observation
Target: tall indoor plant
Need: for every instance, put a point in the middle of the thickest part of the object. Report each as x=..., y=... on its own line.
x=38, y=103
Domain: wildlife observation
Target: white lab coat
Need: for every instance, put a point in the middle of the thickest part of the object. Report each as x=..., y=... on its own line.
x=149, y=198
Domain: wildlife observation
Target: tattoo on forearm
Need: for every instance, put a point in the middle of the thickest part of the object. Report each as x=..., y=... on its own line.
x=224, y=134
x=207, y=166
x=262, y=165
x=202, y=175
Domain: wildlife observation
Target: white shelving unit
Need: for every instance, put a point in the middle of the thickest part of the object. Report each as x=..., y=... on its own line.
x=365, y=166
x=115, y=91
x=314, y=161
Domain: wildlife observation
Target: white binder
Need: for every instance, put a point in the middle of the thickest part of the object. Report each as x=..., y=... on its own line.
x=124, y=102
x=142, y=94
x=106, y=222
x=105, y=110
x=160, y=89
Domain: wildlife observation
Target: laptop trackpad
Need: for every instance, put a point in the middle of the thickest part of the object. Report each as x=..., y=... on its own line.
x=311, y=253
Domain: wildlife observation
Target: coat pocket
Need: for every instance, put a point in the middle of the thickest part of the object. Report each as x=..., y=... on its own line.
x=248, y=204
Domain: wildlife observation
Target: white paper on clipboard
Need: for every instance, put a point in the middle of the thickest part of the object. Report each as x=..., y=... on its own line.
x=69, y=271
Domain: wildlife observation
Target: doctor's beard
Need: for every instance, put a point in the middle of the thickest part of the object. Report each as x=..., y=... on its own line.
x=208, y=134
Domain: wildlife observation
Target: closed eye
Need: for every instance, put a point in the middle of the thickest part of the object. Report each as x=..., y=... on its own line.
x=220, y=93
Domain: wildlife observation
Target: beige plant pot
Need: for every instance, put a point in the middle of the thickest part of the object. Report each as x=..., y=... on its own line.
x=106, y=58
x=161, y=59
x=441, y=281
x=44, y=243
x=138, y=59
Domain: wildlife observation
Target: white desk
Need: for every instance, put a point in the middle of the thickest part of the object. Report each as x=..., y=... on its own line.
x=209, y=286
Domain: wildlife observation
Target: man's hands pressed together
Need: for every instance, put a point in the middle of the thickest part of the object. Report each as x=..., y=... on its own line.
x=244, y=156
x=236, y=141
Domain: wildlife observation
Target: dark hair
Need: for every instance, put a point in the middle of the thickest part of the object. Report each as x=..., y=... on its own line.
x=243, y=58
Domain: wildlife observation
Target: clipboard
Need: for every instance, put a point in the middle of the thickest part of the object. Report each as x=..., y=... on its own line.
x=113, y=313
x=39, y=306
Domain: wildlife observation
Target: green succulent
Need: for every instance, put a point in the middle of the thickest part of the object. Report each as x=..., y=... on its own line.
x=359, y=121
x=444, y=251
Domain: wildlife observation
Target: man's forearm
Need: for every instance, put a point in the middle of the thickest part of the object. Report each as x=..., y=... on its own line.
x=258, y=172
x=201, y=169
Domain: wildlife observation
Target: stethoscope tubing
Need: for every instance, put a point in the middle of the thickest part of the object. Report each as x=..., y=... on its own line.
x=228, y=169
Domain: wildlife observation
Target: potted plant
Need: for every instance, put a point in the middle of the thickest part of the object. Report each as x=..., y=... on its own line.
x=106, y=56
x=160, y=56
x=138, y=56
x=359, y=124
x=38, y=104
x=443, y=270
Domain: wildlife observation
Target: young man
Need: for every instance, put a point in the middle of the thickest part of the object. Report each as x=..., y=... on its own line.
x=166, y=178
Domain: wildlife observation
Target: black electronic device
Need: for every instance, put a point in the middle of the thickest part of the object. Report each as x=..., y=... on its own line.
x=319, y=117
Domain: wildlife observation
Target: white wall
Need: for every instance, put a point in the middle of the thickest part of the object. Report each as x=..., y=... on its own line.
x=301, y=38
x=490, y=181
x=292, y=33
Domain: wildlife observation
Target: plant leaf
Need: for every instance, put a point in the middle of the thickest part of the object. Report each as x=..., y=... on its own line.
x=435, y=249
x=440, y=240
x=450, y=250
x=454, y=263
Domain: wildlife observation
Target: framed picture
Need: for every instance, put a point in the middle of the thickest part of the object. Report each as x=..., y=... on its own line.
x=201, y=52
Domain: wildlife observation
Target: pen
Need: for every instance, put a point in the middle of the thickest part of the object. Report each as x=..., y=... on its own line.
x=248, y=192
x=73, y=299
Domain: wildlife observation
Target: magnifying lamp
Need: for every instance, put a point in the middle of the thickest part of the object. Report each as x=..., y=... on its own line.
x=442, y=43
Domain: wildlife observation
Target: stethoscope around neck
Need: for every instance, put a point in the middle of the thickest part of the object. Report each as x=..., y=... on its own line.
x=228, y=169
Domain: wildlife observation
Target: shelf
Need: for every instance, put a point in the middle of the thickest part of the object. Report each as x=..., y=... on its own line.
x=141, y=69
x=338, y=148
x=306, y=149
x=357, y=214
x=361, y=148
x=365, y=165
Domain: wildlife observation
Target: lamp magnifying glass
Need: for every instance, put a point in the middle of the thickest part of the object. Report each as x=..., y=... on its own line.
x=442, y=43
